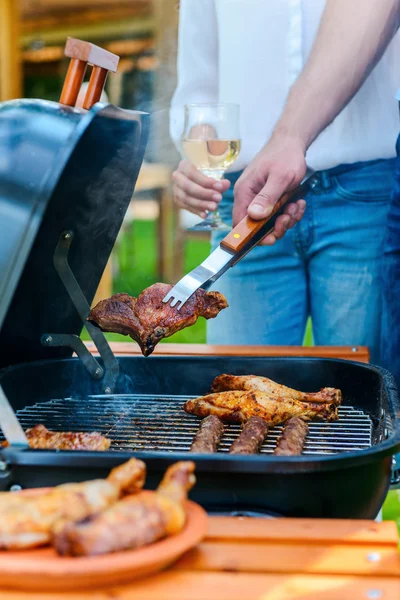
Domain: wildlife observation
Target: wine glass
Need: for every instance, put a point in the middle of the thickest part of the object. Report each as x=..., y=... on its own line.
x=210, y=141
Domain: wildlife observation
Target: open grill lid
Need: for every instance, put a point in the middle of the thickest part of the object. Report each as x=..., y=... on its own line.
x=65, y=174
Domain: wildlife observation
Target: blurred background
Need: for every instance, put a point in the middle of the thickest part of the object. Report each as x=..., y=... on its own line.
x=154, y=244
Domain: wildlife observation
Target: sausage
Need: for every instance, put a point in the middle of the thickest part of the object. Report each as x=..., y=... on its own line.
x=251, y=437
x=293, y=438
x=209, y=436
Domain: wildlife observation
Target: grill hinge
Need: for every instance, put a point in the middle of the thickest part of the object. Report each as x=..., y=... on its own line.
x=74, y=342
x=111, y=366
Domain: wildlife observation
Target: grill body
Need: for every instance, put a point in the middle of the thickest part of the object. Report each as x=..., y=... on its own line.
x=344, y=472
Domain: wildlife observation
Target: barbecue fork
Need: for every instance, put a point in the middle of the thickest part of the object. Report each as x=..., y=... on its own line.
x=239, y=241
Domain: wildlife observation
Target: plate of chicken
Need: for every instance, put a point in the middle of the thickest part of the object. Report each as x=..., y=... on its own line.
x=100, y=532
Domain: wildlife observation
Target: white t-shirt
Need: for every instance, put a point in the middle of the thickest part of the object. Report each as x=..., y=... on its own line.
x=251, y=51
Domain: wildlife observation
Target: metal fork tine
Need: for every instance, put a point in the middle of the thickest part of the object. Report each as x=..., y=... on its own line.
x=175, y=298
x=182, y=291
x=175, y=302
x=201, y=276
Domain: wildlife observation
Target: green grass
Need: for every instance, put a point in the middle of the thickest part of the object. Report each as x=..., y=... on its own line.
x=135, y=262
x=391, y=508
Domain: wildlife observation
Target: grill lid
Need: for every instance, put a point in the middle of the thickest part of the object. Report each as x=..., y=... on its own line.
x=61, y=170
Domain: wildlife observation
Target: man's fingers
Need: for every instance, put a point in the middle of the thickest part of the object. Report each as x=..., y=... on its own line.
x=198, y=177
x=282, y=224
x=301, y=206
x=292, y=210
x=244, y=194
x=193, y=209
x=193, y=204
x=194, y=189
x=293, y=214
x=264, y=202
x=296, y=212
x=269, y=240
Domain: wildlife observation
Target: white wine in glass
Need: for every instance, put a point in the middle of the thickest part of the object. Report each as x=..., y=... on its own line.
x=210, y=141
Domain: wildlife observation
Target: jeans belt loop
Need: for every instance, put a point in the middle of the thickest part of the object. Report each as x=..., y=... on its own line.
x=325, y=180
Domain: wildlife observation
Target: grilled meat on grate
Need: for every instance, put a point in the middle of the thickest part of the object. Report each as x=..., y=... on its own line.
x=134, y=521
x=236, y=407
x=251, y=437
x=209, y=436
x=224, y=383
x=148, y=320
x=41, y=438
x=293, y=438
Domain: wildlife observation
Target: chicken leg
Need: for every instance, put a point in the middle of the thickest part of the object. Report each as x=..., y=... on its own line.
x=132, y=522
x=224, y=383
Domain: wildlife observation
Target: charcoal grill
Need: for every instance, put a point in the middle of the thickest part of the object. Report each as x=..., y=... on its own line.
x=345, y=470
x=64, y=190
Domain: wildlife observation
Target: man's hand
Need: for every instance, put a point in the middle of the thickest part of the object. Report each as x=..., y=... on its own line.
x=278, y=168
x=197, y=192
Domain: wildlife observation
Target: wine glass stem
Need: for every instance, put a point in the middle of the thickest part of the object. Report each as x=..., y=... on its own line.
x=213, y=218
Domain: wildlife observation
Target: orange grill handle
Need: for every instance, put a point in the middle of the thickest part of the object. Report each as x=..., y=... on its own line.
x=73, y=81
x=81, y=54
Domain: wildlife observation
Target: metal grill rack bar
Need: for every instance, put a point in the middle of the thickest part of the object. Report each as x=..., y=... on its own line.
x=158, y=423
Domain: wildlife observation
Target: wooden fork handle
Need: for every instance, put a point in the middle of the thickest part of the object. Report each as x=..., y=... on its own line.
x=247, y=228
x=248, y=233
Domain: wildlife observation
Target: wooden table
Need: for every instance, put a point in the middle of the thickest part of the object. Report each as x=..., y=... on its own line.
x=357, y=353
x=263, y=559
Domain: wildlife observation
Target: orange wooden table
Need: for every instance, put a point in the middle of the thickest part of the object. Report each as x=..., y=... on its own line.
x=357, y=353
x=263, y=559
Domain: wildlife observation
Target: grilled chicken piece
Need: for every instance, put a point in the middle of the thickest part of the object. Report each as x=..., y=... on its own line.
x=293, y=438
x=224, y=383
x=41, y=438
x=26, y=522
x=209, y=436
x=251, y=437
x=132, y=522
x=148, y=320
x=236, y=407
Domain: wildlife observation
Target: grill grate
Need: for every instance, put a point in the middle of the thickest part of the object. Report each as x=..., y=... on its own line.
x=158, y=423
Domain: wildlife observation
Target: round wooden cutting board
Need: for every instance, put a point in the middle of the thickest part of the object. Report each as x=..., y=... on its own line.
x=43, y=569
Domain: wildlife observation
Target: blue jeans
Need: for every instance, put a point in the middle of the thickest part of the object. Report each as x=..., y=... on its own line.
x=390, y=349
x=327, y=267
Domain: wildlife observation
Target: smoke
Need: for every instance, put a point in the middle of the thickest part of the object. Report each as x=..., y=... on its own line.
x=161, y=148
